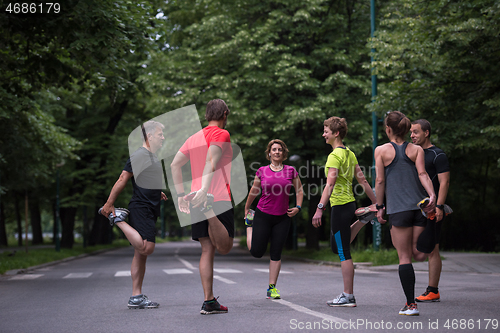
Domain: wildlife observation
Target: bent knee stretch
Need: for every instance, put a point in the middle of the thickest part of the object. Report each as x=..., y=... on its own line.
x=275, y=256
x=225, y=249
x=257, y=252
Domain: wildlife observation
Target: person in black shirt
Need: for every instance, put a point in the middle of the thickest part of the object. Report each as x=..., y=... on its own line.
x=437, y=166
x=145, y=170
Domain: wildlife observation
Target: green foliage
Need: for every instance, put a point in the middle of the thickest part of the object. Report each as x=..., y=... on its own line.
x=439, y=60
x=74, y=85
x=37, y=256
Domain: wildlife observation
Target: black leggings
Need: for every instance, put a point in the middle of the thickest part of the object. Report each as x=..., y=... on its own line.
x=273, y=228
x=340, y=229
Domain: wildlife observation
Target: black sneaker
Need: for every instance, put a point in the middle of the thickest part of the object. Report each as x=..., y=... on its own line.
x=121, y=215
x=212, y=307
x=141, y=302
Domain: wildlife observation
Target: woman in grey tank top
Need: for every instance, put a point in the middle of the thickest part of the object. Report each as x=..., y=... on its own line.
x=402, y=179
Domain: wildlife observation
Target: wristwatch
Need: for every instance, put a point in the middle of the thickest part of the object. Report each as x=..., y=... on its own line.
x=300, y=208
x=382, y=206
x=440, y=207
x=321, y=206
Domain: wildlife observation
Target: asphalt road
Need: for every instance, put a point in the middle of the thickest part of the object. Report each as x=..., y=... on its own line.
x=90, y=295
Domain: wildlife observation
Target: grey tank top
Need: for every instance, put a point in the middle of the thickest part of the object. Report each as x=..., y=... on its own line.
x=403, y=190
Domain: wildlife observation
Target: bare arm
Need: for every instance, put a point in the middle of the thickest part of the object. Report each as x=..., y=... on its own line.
x=380, y=182
x=299, y=193
x=254, y=193
x=424, y=179
x=115, y=191
x=444, y=184
x=176, y=166
x=325, y=197
x=366, y=186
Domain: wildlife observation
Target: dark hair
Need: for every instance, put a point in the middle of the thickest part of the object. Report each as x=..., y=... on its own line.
x=216, y=110
x=425, y=125
x=337, y=124
x=281, y=143
x=398, y=122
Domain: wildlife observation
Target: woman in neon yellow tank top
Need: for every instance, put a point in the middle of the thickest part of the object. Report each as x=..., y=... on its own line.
x=340, y=169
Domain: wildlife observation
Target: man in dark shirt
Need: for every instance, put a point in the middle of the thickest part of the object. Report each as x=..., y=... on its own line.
x=437, y=166
x=144, y=168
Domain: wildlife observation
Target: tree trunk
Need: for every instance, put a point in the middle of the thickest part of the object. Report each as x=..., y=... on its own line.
x=101, y=230
x=19, y=224
x=36, y=220
x=68, y=226
x=3, y=232
x=314, y=191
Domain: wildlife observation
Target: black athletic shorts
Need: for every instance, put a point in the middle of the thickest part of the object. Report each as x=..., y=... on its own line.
x=409, y=218
x=143, y=219
x=223, y=210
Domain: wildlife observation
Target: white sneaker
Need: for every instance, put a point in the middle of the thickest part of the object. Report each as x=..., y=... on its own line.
x=342, y=300
x=409, y=310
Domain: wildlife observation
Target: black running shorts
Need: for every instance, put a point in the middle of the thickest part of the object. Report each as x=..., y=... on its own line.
x=143, y=219
x=223, y=210
x=409, y=218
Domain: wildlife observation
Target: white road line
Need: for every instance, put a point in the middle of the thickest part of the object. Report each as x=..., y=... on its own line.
x=224, y=280
x=77, y=276
x=177, y=271
x=26, y=277
x=266, y=270
x=123, y=273
x=186, y=263
x=310, y=312
x=226, y=270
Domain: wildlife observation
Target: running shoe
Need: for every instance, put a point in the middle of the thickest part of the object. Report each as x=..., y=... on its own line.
x=428, y=297
x=249, y=218
x=366, y=214
x=422, y=204
x=209, y=203
x=273, y=293
x=121, y=215
x=409, y=310
x=141, y=302
x=212, y=307
x=342, y=300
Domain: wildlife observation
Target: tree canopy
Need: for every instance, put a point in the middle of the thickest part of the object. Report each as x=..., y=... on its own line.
x=73, y=85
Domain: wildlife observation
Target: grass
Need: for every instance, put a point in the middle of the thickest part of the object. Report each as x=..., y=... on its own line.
x=377, y=258
x=40, y=255
x=37, y=255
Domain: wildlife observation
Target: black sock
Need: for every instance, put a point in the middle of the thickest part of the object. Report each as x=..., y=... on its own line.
x=432, y=289
x=407, y=277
